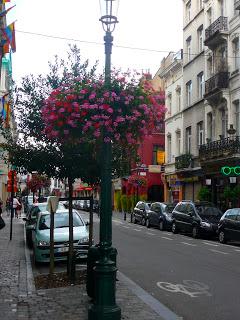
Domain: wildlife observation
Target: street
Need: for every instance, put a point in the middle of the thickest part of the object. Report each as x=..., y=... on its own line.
x=196, y=278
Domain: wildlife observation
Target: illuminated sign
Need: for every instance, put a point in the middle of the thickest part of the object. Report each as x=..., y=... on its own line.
x=227, y=171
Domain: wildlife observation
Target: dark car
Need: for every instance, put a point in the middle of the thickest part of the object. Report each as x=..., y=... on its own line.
x=160, y=215
x=229, y=226
x=140, y=212
x=197, y=218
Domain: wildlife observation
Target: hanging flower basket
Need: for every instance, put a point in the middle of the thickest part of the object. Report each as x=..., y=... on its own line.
x=82, y=109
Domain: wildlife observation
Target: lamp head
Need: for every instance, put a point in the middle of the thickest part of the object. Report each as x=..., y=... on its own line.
x=109, y=9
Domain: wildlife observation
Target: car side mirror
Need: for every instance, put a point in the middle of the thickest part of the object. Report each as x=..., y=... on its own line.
x=87, y=223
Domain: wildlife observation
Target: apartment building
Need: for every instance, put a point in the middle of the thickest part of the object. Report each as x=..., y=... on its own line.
x=210, y=90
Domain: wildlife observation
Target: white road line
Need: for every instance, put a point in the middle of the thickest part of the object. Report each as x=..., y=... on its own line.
x=151, y=234
x=238, y=250
x=217, y=251
x=166, y=238
x=210, y=244
x=189, y=244
x=136, y=229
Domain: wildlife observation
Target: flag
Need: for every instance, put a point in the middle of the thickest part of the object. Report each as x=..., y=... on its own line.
x=9, y=35
x=5, y=109
x=4, y=12
x=6, y=48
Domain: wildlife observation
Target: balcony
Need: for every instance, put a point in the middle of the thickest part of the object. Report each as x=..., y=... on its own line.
x=184, y=161
x=214, y=86
x=220, y=149
x=237, y=5
x=216, y=33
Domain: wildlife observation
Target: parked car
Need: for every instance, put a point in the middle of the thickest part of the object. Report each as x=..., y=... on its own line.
x=31, y=218
x=140, y=212
x=160, y=215
x=41, y=236
x=229, y=226
x=198, y=218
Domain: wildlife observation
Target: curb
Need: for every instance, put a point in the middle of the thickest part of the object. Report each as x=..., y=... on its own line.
x=30, y=279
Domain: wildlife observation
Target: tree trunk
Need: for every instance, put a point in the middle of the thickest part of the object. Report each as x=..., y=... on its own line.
x=71, y=271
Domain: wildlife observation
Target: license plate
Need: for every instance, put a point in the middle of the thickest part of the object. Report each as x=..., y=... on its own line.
x=65, y=249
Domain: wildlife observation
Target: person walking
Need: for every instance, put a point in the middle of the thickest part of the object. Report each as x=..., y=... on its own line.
x=19, y=208
x=16, y=203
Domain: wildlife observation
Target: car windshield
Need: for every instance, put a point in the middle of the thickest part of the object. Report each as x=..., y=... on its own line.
x=207, y=210
x=61, y=220
x=43, y=206
x=235, y=211
x=167, y=208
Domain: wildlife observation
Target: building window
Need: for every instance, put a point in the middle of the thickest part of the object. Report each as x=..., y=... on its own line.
x=156, y=149
x=189, y=93
x=188, y=11
x=188, y=139
x=188, y=45
x=236, y=54
x=200, y=39
x=169, y=103
x=209, y=16
x=237, y=117
x=200, y=138
x=210, y=126
x=178, y=143
x=210, y=67
x=178, y=97
x=169, y=148
x=224, y=118
x=200, y=80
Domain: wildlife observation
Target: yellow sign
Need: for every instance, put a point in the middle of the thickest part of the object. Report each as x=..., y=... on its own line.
x=160, y=157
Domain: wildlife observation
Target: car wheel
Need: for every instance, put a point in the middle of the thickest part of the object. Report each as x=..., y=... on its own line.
x=195, y=232
x=143, y=221
x=148, y=223
x=161, y=225
x=174, y=227
x=222, y=237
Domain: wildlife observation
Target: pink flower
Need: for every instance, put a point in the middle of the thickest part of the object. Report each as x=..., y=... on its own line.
x=110, y=110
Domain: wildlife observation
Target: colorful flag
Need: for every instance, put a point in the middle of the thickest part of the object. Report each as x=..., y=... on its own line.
x=5, y=109
x=4, y=12
x=9, y=35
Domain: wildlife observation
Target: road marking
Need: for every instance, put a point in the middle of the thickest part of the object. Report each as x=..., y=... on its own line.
x=238, y=250
x=189, y=244
x=117, y=221
x=136, y=229
x=126, y=227
x=210, y=244
x=151, y=234
x=217, y=251
x=167, y=238
x=189, y=287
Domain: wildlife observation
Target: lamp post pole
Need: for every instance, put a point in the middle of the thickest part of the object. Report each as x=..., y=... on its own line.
x=104, y=306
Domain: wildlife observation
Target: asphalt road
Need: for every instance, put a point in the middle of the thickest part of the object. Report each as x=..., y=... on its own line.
x=197, y=279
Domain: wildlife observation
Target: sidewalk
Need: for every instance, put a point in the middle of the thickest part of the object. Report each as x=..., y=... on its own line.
x=19, y=300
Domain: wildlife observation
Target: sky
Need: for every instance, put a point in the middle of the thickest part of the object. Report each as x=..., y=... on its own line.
x=153, y=25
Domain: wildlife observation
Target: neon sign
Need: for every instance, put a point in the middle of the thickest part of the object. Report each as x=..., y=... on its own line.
x=227, y=171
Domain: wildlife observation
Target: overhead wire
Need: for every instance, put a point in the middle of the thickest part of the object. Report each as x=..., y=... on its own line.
x=120, y=46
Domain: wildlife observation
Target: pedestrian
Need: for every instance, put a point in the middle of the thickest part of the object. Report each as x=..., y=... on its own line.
x=8, y=206
x=19, y=208
x=16, y=203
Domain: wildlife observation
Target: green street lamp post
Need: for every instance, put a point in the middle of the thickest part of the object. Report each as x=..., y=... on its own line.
x=104, y=306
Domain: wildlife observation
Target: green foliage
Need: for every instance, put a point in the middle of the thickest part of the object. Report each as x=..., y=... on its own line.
x=204, y=194
x=118, y=195
x=124, y=202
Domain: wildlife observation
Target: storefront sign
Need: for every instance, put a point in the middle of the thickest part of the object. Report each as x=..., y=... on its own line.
x=154, y=168
x=227, y=171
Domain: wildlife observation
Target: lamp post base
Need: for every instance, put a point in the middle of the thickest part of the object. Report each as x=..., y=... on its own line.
x=104, y=307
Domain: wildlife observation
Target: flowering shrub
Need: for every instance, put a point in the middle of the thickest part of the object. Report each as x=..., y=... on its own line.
x=83, y=108
x=37, y=182
x=138, y=180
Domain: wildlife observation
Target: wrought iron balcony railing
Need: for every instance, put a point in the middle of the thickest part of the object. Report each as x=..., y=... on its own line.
x=220, y=148
x=219, y=25
x=184, y=161
x=237, y=5
x=218, y=81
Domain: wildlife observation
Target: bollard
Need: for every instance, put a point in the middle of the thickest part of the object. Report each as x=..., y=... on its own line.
x=131, y=218
x=72, y=276
x=125, y=216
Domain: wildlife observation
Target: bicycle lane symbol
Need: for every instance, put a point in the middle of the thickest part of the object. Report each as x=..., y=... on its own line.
x=189, y=287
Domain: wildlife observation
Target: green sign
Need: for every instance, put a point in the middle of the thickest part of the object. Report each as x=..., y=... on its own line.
x=230, y=171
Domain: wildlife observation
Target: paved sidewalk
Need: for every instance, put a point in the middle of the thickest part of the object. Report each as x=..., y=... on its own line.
x=19, y=300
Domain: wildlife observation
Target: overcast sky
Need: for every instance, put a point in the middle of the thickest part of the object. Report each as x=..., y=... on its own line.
x=151, y=25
